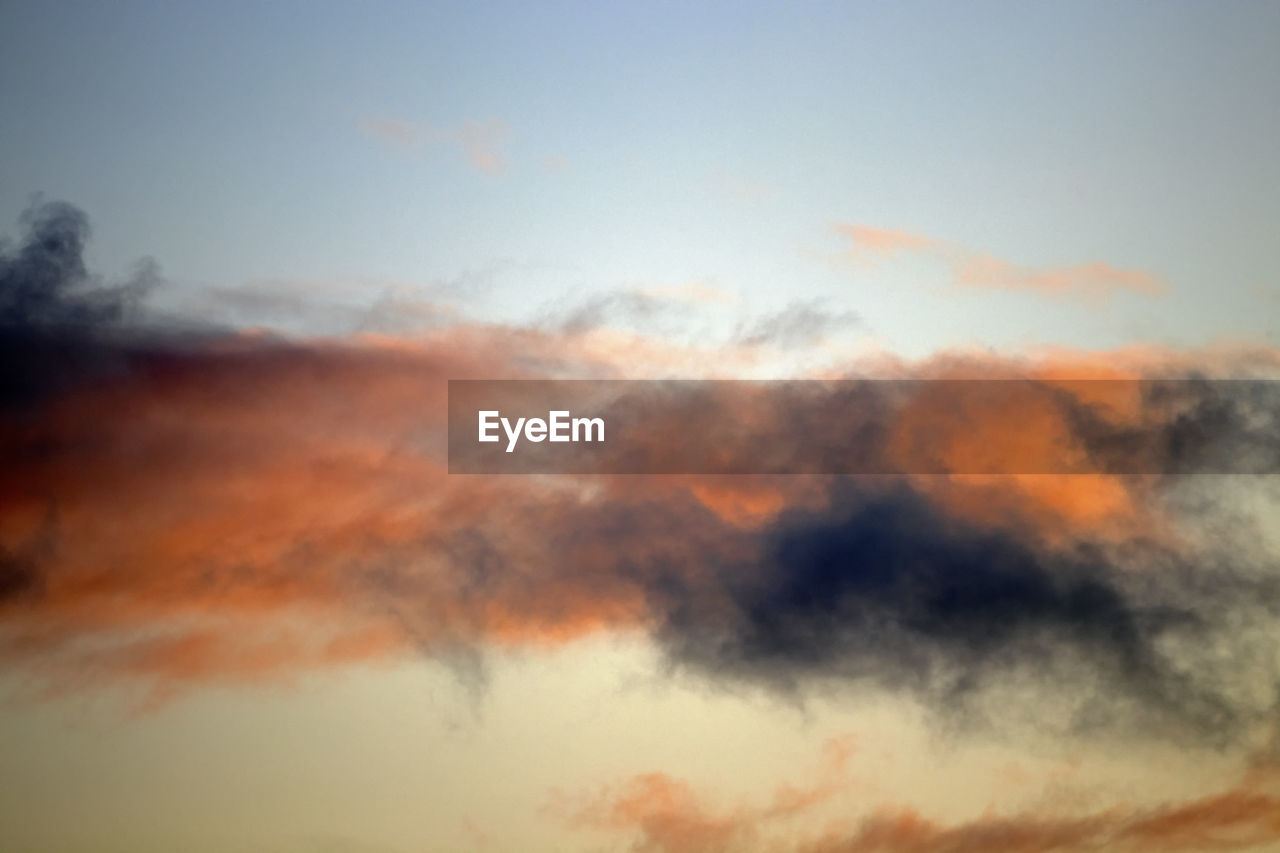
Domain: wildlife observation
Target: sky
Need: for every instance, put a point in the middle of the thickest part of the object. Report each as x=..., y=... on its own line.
x=244, y=605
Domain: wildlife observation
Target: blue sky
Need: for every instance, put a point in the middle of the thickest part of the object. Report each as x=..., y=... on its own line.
x=657, y=144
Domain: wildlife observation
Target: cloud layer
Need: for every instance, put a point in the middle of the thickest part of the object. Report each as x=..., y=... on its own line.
x=185, y=507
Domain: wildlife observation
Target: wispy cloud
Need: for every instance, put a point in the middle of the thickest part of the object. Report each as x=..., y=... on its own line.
x=481, y=141
x=668, y=816
x=800, y=324
x=967, y=268
x=662, y=814
x=651, y=308
x=874, y=243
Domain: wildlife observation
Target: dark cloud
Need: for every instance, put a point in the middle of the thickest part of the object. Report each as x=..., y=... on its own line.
x=1187, y=426
x=629, y=307
x=799, y=324
x=56, y=319
x=883, y=588
x=45, y=284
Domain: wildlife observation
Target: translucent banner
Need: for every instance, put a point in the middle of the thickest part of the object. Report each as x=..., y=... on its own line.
x=858, y=426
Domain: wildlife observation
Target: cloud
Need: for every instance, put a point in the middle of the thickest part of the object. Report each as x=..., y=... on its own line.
x=879, y=242
x=966, y=268
x=185, y=506
x=649, y=308
x=45, y=284
x=481, y=141
x=666, y=815
x=331, y=308
x=1239, y=819
x=669, y=817
x=56, y=318
x=1095, y=280
x=668, y=311
x=631, y=307
x=799, y=324
x=885, y=588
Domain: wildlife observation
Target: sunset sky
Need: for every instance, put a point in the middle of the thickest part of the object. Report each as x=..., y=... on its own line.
x=244, y=606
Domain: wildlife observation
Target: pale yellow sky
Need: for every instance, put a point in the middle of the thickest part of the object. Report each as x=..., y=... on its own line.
x=406, y=758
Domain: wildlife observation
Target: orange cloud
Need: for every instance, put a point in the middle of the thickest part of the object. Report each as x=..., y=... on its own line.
x=867, y=241
x=665, y=815
x=1095, y=280
x=669, y=817
x=245, y=508
x=481, y=142
x=1240, y=819
x=972, y=269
